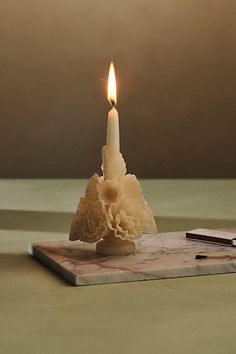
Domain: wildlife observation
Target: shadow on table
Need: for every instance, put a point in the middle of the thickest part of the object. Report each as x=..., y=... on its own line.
x=13, y=261
x=166, y=224
x=48, y=221
x=59, y=222
x=21, y=264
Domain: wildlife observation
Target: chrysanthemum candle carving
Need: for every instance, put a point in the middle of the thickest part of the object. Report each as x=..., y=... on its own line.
x=113, y=211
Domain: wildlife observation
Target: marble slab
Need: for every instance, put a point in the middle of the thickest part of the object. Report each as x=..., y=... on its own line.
x=159, y=256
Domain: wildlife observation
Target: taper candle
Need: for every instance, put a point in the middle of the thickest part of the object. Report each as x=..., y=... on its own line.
x=113, y=134
x=113, y=211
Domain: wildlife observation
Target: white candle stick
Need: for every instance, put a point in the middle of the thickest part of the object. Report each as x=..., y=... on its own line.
x=113, y=134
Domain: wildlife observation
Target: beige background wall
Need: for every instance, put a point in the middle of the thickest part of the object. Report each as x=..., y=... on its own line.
x=175, y=62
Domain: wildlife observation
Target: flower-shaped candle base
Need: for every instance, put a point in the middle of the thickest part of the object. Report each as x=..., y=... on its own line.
x=115, y=246
x=113, y=211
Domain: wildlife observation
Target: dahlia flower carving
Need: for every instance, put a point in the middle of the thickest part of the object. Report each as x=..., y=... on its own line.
x=113, y=205
x=89, y=223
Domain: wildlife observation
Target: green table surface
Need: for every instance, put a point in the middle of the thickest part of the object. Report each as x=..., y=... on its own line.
x=40, y=313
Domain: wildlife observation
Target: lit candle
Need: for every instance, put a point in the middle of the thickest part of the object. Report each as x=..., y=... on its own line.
x=113, y=163
x=113, y=135
x=113, y=210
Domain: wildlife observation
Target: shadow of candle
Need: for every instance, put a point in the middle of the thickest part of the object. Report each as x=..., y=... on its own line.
x=48, y=221
x=59, y=222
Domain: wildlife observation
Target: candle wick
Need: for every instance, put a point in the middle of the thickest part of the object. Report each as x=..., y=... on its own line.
x=112, y=103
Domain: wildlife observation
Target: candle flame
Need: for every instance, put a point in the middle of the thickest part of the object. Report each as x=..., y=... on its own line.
x=111, y=92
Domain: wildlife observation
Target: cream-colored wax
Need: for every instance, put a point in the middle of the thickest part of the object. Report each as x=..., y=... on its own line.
x=113, y=133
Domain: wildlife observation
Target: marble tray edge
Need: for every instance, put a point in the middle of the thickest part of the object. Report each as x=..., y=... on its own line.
x=75, y=280
x=48, y=262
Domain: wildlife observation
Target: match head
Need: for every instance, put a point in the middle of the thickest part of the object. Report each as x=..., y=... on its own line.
x=200, y=256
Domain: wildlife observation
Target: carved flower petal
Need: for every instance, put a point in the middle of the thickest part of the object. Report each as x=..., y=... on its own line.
x=131, y=186
x=110, y=191
x=148, y=222
x=89, y=223
x=114, y=166
x=122, y=220
x=92, y=187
